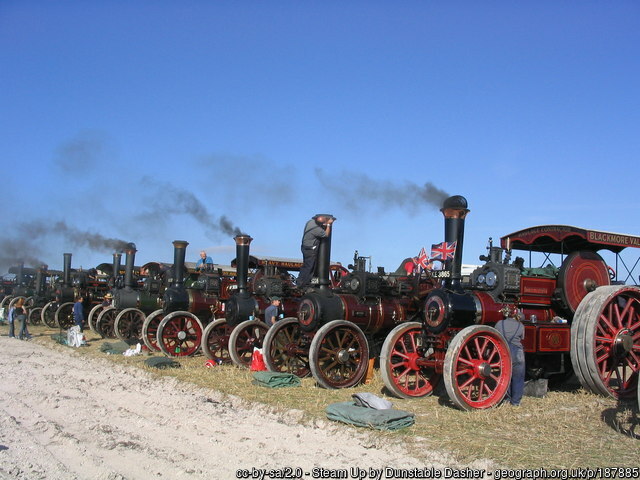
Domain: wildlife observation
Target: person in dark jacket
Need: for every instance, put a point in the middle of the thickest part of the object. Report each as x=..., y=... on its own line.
x=78, y=313
x=315, y=229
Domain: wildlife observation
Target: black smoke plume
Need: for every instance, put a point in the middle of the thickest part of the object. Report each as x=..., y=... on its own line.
x=356, y=190
x=169, y=200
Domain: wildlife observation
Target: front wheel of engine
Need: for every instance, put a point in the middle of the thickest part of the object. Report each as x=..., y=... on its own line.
x=128, y=324
x=407, y=366
x=150, y=330
x=180, y=334
x=477, y=368
x=215, y=341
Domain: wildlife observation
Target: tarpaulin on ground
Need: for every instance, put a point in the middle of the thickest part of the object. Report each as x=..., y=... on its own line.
x=275, y=379
x=389, y=419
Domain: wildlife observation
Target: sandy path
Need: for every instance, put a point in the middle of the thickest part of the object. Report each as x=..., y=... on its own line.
x=66, y=417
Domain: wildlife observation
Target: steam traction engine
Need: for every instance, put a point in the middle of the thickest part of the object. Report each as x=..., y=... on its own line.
x=235, y=336
x=572, y=316
x=337, y=330
x=186, y=307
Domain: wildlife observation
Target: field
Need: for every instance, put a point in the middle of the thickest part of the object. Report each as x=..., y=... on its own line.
x=566, y=429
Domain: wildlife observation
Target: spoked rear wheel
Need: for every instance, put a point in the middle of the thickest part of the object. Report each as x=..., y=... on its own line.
x=243, y=339
x=339, y=355
x=35, y=315
x=477, y=368
x=605, y=341
x=286, y=348
x=180, y=334
x=403, y=362
x=215, y=341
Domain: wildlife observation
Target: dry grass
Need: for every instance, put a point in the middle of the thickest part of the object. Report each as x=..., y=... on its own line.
x=563, y=430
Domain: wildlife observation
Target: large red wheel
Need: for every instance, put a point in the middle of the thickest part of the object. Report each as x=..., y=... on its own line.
x=179, y=334
x=105, y=322
x=92, y=318
x=150, y=330
x=477, y=368
x=605, y=341
x=128, y=324
x=581, y=272
x=244, y=338
x=64, y=316
x=406, y=366
x=339, y=355
x=35, y=315
x=48, y=315
x=215, y=341
x=286, y=348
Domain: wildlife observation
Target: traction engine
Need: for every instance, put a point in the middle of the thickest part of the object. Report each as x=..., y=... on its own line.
x=337, y=331
x=572, y=316
x=177, y=328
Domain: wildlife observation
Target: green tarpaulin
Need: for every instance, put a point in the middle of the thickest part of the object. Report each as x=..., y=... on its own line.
x=389, y=419
x=275, y=379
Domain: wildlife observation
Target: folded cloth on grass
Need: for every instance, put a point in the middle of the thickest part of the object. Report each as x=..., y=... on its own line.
x=370, y=400
x=161, y=362
x=389, y=419
x=115, y=348
x=275, y=379
x=61, y=338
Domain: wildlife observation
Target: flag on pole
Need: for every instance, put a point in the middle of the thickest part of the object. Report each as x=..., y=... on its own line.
x=422, y=259
x=443, y=251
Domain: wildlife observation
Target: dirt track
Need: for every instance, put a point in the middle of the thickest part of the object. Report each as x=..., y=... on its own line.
x=66, y=417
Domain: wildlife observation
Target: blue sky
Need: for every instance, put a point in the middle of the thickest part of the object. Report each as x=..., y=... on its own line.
x=151, y=121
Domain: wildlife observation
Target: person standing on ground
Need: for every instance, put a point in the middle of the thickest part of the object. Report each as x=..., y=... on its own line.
x=11, y=320
x=78, y=313
x=271, y=312
x=315, y=229
x=512, y=330
x=20, y=314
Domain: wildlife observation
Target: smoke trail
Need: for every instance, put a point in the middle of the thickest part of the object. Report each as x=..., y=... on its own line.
x=356, y=189
x=169, y=200
x=74, y=236
x=82, y=153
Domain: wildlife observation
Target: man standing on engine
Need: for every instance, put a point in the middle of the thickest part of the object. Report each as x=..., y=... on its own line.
x=315, y=229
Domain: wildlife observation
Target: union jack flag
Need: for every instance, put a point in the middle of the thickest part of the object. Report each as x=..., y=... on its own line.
x=422, y=260
x=443, y=251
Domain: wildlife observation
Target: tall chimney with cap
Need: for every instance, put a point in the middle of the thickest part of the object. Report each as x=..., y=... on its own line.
x=242, y=261
x=116, y=265
x=130, y=250
x=40, y=280
x=179, y=254
x=455, y=211
x=66, y=270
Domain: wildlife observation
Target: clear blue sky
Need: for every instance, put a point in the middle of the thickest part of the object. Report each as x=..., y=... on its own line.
x=267, y=112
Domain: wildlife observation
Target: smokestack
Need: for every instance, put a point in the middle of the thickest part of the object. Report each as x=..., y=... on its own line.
x=454, y=210
x=66, y=278
x=40, y=280
x=20, y=274
x=323, y=260
x=116, y=264
x=179, y=254
x=130, y=250
x=242, y=261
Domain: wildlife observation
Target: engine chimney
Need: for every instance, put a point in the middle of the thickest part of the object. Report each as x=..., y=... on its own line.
x=40, y=280
x=323, y=260
x=117, y=256
x=455, y=211
x=131, y=258
x=20, y=274
x=66, y=278
x=242, y=261
x=179, y=254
